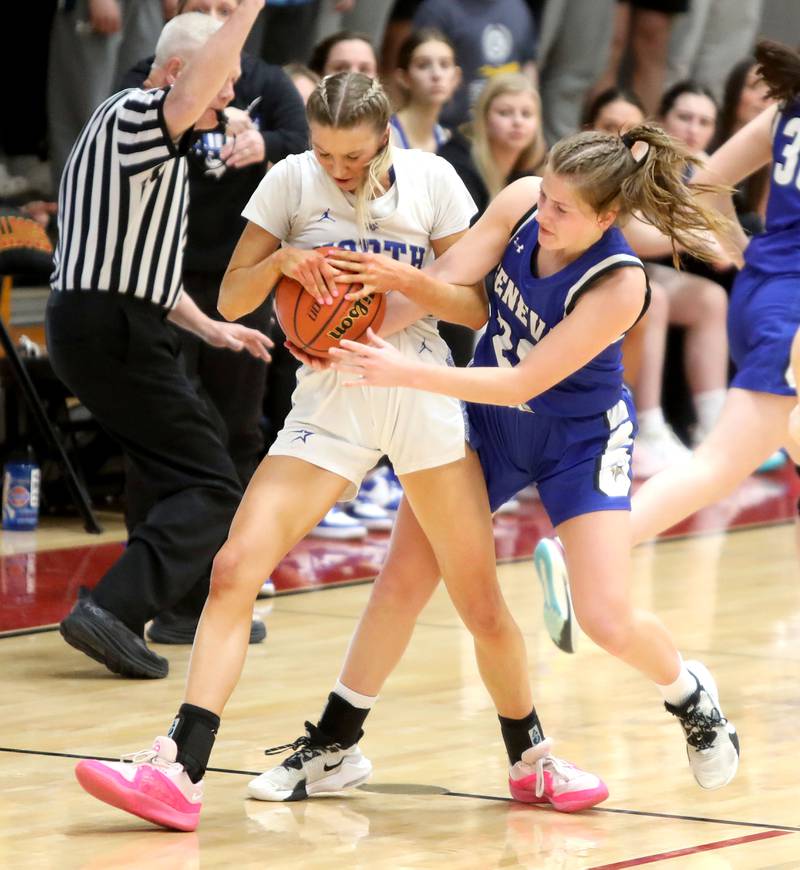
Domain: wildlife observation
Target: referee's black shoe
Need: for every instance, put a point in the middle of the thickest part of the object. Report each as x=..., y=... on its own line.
x=101, y=636
x=172, y=628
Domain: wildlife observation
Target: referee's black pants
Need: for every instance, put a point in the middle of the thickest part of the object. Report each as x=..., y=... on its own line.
x=121, y=358
x=233, y=382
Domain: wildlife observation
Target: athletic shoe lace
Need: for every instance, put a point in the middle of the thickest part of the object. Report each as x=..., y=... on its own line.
x=700, y=726
x=305, y=748
x=147, y=756
x=560, y=771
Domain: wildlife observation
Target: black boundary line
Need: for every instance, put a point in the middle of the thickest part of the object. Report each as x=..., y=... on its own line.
x=511, y=560
x=448, y=793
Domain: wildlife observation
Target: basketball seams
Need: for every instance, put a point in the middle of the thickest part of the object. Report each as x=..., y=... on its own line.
x=298, y=317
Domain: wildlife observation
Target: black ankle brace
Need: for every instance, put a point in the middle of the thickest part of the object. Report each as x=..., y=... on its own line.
x=520, y=734
x=194, y=730
x=341, y=722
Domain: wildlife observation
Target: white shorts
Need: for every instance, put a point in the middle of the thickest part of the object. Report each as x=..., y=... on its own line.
x=346, y=430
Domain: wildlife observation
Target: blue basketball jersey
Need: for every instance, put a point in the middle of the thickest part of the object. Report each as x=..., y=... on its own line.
x=777, y=249
x=524, y=308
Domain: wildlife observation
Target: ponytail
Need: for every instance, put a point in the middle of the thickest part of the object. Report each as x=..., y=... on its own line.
x=779, y=66
x=608, y=177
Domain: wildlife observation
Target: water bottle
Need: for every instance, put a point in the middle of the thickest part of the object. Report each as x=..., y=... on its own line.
x=21, y=485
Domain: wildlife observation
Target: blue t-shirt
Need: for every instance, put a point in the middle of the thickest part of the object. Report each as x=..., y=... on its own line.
x=777, y=249
x=524, y=308
x=490, y=37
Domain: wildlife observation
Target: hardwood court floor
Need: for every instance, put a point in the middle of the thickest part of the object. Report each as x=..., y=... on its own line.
x=438, y=796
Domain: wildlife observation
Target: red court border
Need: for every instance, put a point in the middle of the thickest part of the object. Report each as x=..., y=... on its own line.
x=690, y=850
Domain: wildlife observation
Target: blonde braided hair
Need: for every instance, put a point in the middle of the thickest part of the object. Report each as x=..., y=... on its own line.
x=345, y=100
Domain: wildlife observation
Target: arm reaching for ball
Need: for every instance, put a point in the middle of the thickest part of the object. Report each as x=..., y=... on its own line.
x=258, y=263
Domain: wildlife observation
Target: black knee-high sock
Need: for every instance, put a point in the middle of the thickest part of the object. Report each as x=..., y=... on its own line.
x=520, y=734
x=341, y=722
x=194, y=730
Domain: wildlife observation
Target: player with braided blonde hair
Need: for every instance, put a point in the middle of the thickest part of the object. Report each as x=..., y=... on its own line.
x=357, y=193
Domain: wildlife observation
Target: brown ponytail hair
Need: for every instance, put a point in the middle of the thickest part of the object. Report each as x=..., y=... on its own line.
x=607, y=176
x=345, y=100
x=779, y=66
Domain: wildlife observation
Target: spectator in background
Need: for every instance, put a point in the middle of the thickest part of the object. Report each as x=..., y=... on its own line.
x=490, y=37
x=689, y=113
x=574, y=46
x=746, y=95
x=706, y=38
x=24, y=172
x=614, y=111
x=398, y=29
x=503, y=143
x=287, y=31
x=427, y=75
x=345, y=51
x=365, y=16
x=303, y=78
x=92, y=42
x=641, y=28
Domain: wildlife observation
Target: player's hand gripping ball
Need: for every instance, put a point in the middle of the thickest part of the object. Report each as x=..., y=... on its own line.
x=314, y=328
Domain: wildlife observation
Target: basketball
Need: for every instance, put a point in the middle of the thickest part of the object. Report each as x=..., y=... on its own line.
x=313, y=327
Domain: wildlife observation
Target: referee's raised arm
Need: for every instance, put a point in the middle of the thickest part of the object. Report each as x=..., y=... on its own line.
x=209, y=74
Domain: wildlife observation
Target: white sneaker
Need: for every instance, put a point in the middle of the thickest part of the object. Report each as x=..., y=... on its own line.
x=336, y=524
x=149, y=784
x=313, y=768
x=529, y=493
x=772, y=463
x=712, y=743
x=657, y=450
x=267, y=589
x=372, y=516
x=382, y=488
x=551, y=569
x=509, y=507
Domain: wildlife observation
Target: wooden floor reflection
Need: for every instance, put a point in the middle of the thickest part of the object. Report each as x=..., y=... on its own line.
x=438, y=796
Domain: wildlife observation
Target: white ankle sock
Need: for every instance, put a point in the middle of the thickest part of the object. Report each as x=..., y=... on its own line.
x=651, y=421
x=708, y=407
x=679, y=690
x=363, y=702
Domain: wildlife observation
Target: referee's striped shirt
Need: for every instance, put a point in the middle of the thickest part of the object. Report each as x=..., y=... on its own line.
x=122, y=204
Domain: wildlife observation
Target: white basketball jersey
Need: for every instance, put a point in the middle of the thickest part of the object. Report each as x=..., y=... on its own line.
x=300, y=204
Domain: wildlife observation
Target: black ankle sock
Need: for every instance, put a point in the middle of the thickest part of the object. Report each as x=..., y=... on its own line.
x=341, y=721
x=520, y=734
x=194, y=730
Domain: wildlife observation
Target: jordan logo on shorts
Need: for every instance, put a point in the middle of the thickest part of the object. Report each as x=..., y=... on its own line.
x=301, y=435
x=423, y=347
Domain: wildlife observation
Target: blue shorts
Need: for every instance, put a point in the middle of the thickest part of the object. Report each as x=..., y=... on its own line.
x=763, y=317
x=579, y=464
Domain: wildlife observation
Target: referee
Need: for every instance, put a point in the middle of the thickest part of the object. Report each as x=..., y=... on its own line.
x=116, y=283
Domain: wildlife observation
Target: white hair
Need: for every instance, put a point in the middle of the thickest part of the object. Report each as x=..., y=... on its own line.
x=183, y=35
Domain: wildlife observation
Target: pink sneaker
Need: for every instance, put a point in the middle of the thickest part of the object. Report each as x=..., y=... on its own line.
x=150, y=784
x=541, y=778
